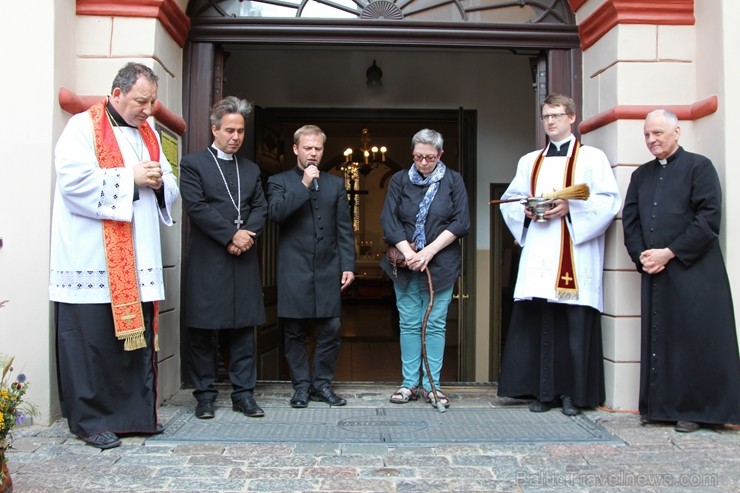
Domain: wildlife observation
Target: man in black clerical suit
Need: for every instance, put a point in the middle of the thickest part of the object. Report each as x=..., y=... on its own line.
x=223, y=197
x=316, y=262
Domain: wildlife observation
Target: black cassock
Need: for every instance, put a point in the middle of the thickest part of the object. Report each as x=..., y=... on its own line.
x=224, y=291
x=690, y=369
x=101, y=386
x=317, y=243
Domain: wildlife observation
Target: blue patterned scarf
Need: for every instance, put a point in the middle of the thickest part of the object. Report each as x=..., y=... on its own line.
x=420, y=237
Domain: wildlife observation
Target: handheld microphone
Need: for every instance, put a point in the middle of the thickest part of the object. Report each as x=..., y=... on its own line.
x=315, y=181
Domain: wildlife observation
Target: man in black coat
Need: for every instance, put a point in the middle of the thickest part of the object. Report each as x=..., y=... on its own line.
x=316, y=262
x=223, y=197
x=689, y=368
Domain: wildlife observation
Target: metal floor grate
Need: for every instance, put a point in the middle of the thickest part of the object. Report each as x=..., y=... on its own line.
x=399, y=426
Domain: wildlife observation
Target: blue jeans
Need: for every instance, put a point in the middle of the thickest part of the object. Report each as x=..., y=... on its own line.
x=412, y=304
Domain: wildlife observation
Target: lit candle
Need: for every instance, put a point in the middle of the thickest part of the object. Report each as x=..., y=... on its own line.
x=367, y=155
x=375, y=151
x=382, y=153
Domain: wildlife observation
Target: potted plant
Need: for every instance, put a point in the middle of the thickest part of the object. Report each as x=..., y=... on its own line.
x=13, y=410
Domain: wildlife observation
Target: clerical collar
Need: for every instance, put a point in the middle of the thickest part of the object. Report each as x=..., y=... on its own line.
x=557, y=149
x=670, y=158
x=117, y=118
x=221, y=154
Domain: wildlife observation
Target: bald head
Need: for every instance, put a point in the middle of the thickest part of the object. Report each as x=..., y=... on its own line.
x=661, y=133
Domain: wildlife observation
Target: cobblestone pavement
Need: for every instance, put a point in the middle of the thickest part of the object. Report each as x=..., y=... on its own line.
x=653, y=458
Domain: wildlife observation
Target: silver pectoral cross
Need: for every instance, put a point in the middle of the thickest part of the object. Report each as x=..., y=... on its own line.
x=238, y=221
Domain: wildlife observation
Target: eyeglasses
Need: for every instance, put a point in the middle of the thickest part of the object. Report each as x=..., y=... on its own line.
x=553, y=116
x=419, y=158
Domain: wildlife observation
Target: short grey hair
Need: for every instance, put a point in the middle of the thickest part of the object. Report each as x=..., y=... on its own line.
x=229, y=105
x=428, y=136
x=667, y=114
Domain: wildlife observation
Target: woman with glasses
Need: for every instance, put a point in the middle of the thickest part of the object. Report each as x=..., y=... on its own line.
x=425, y=212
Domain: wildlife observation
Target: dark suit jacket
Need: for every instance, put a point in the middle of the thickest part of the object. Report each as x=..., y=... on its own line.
x=316, y=243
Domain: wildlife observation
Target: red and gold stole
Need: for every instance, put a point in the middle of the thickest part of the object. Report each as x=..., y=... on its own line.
x=566, y=285
x=118, y=238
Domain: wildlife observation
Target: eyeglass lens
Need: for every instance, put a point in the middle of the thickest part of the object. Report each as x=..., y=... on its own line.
x=554, y=116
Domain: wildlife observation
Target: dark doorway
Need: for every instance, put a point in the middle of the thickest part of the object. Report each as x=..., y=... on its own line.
x=425, y=52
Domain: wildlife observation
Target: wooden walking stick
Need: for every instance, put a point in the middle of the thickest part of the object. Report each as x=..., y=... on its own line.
x=434, y=401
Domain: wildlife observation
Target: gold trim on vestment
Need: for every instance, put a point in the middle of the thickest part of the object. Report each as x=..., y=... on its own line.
x=118, y=237
x=566, y=266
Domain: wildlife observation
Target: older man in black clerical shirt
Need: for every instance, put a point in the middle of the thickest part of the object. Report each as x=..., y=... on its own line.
x=689, y=369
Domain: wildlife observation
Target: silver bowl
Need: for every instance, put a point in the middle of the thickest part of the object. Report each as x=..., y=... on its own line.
x=538, y=205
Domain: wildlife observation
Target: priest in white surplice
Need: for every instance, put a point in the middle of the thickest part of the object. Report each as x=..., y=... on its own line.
x=114, y=186
x=553, y=345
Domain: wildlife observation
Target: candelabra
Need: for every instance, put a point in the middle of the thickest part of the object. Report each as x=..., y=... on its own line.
x=366, y=158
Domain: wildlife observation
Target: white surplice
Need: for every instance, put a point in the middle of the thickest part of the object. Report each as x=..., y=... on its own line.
x=85, y=195
x=587, y=223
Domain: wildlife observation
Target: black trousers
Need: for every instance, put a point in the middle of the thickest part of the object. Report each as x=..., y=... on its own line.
x=202, y=351
x=325, y=354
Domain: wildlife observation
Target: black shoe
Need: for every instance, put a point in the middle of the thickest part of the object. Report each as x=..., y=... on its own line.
x=103, y=440
x=300, y=398
x=687, y=426
x=326, y=394
x=249, y=407
x=204, y=410
x=568, y=408
x=539, y=407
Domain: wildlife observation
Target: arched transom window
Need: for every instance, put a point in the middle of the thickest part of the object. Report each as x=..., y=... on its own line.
x=480, y=11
